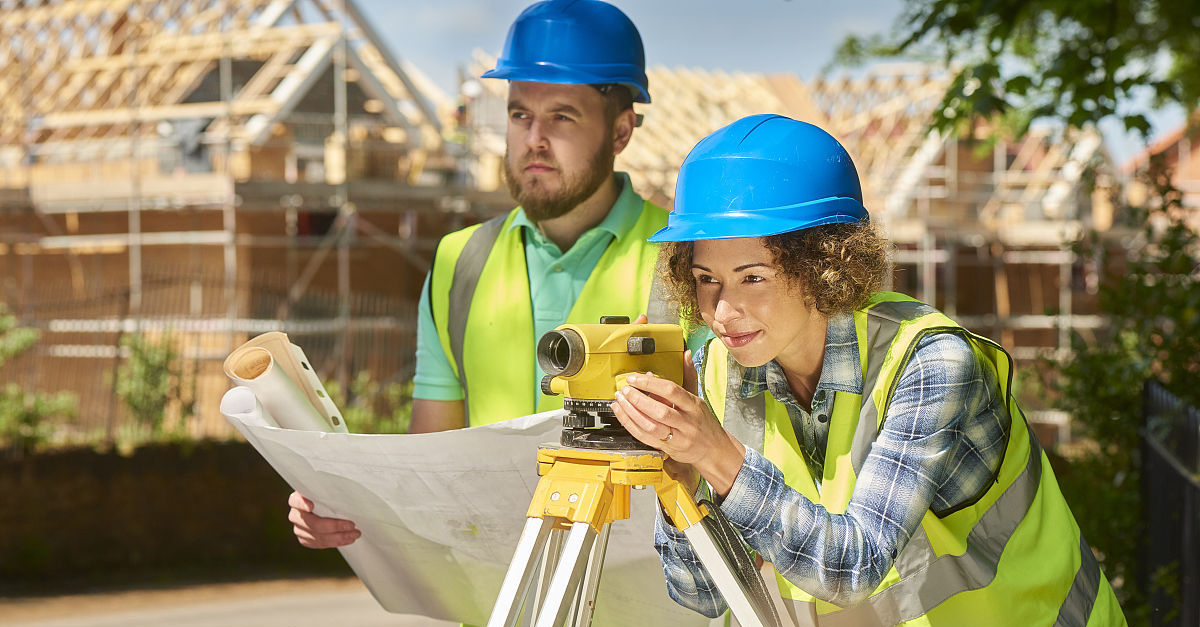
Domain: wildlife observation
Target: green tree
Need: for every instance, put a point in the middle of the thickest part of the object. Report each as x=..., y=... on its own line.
x=373, y=406
x=1078, y=61
x=1151, y=297
x=149, y=380
x=26, y=417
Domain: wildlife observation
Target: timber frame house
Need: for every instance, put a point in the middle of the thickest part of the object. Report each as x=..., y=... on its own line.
x=208, y=168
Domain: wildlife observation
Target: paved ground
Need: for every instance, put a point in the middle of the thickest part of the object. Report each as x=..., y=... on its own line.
x=291, y=603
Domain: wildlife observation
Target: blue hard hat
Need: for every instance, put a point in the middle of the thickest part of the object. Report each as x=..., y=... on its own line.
x=576, y=42
x=763, y=175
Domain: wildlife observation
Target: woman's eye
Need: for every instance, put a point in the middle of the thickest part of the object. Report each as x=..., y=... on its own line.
x=753, y=278
x=704, y=278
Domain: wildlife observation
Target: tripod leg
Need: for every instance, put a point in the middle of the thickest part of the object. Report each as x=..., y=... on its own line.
x=520, y=573
x=545, y=570
x=585, y=604
x=566, y=575
x=750, y=605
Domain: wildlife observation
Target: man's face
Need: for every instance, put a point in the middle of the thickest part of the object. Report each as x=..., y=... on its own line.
x=559, y=148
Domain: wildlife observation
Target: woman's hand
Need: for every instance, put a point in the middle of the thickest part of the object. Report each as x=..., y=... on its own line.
x=663, y=415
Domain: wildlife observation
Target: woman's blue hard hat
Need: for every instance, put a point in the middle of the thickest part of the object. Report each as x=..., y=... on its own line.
x=763, y=175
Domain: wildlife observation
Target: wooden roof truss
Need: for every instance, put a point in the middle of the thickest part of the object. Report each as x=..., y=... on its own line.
x=77, y=70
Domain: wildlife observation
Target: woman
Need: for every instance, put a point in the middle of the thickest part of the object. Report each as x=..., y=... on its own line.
x=859, y=441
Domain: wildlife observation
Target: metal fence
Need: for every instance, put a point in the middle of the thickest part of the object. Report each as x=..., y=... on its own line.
x=1171, y=502
x=82, y=347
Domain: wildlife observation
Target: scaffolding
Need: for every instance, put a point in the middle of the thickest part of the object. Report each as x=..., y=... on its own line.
x=168, y=164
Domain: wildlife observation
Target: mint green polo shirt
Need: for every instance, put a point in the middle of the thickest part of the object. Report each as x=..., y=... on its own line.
x=555, y=280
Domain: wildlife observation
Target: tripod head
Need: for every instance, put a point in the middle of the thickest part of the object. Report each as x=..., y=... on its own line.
x=587, y=364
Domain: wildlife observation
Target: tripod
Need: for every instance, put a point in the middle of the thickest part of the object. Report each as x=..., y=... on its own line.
x=581, y=492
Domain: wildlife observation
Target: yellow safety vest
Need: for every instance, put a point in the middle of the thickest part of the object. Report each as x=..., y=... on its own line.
x=1014, y=556
x=490, y=346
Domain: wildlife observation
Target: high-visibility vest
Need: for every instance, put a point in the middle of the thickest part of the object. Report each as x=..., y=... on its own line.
x=482, y=310
x=1012, y=556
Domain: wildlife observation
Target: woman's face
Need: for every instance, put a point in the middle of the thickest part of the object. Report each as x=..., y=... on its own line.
x=748, y=302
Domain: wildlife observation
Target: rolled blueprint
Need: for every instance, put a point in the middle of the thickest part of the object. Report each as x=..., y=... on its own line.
x=278, y=374
x=240, y=402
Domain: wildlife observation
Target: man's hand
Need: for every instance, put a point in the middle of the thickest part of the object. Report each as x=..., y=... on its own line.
x=318, y=532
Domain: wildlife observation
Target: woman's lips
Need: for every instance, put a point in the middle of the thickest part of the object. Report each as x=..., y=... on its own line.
x=733, y=340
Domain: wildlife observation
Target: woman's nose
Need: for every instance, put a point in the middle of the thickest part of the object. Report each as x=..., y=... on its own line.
x=725, y=311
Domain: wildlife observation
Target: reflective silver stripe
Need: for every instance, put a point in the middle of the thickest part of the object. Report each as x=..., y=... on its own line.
x=658, y=310
x=745, y=419
x=883, y=324
x=935, y=579
x=1077, y=607
x=467, y=270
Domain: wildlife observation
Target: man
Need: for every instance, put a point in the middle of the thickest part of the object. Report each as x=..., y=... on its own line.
x=574, y=250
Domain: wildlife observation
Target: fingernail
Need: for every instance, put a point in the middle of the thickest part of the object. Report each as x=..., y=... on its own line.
x=620, y=394
x=633, y=378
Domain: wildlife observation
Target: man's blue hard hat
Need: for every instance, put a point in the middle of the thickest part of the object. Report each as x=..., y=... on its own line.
x=763, y=175
x=576, y=42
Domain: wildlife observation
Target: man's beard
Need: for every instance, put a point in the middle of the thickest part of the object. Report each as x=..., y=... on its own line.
x=540, y=203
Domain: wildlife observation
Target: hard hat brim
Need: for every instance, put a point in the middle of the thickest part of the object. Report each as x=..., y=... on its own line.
x=554, y=73
x=758, y=222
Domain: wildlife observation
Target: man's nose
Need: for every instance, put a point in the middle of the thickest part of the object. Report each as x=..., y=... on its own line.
x=535, y=136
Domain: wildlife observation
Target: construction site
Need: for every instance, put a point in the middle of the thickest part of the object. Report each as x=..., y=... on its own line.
x=207, y=173
x=179, y=177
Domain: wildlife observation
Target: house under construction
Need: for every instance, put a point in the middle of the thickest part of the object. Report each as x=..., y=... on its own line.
x=215, y=170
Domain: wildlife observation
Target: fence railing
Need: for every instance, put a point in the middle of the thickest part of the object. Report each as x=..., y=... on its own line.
x=81, y=349
x=1171, y=507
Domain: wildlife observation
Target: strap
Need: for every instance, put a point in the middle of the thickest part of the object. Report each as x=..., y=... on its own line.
x=467, y=271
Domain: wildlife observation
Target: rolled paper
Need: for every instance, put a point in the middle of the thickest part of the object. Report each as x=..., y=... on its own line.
x=255, y=367
x=240, y=402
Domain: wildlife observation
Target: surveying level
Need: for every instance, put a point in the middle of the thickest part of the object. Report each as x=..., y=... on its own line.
x=585, y=484
x=587, y=364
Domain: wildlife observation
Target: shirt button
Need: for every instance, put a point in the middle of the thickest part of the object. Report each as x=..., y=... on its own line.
x=557, y=268
x=822, y=418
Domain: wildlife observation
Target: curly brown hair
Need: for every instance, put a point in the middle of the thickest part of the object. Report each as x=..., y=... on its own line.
x=837, y=265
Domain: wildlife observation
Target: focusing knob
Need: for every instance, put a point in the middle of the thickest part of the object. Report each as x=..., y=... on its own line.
x=546, y=385
x=638, y=345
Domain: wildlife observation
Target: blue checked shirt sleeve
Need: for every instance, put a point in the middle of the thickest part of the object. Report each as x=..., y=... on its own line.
x=929, y=446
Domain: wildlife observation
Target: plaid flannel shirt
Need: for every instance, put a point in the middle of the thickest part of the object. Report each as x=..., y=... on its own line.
x=942, y=441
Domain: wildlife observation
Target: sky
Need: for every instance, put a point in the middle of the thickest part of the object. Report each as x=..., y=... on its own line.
x=796, y=36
